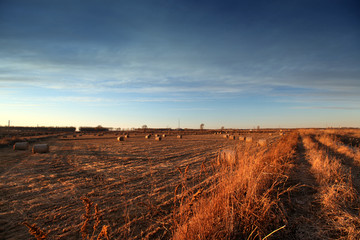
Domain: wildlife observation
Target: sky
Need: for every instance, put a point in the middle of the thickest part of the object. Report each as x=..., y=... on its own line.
x=165, y=63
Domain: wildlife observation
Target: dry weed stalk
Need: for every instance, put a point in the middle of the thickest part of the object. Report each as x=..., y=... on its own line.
x=89, y=217
x=104, y=233
x=97, y=219
x=36, y=231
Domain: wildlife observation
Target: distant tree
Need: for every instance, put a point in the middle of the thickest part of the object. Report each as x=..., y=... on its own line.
x=202, y=126
x=222, y=128
x=144, y=127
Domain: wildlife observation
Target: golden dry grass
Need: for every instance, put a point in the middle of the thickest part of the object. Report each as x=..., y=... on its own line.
x=246, y=201
x=333, y=142
x=338, y=197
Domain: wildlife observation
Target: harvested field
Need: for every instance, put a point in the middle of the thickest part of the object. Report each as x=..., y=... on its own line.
x=303, y=185
x=133, y=183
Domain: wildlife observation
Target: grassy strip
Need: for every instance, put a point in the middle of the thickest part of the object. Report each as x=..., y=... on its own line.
x=338, y=197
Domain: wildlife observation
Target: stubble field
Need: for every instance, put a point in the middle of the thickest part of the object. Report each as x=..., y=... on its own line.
x=132, y=181
x=304, y=185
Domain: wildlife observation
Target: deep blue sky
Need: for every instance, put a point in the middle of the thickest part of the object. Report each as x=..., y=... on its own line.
x=236, y=64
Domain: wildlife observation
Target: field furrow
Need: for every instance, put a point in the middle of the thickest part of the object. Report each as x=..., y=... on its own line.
x=337, y=196
x=303, y=208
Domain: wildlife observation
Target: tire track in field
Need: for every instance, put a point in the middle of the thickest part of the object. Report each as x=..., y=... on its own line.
x=352, y=141
x=338, y=198
x=303, y=208
x=348, y=163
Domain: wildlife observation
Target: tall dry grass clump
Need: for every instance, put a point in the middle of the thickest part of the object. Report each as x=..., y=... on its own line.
x=90, y=227
x=246, y=201
x=337, y=195
x=326, y=169
x=333, y=142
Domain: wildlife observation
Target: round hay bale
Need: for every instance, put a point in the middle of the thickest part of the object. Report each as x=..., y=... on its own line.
x=127, y=136
x=179, y=136
x=241, y=138
x=164, y=135
x=232, y=137
x=227, y=157
x=158, y=138
x=21, y=146
x=40, y=148
x=249, y=139
x=262, y=142
x=226, y=136
x=120, y=139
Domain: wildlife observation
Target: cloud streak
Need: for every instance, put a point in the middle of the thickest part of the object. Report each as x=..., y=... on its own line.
x=150, y=79
x=328, y=108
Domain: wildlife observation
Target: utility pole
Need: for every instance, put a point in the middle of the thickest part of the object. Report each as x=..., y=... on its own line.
x=8, y=129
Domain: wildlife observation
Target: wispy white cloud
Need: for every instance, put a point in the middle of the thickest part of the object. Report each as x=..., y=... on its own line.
x=21, y=105
x=77, y=99
x=327, y=107
x=157, y=99
x=192, y=109
x=107, y=72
